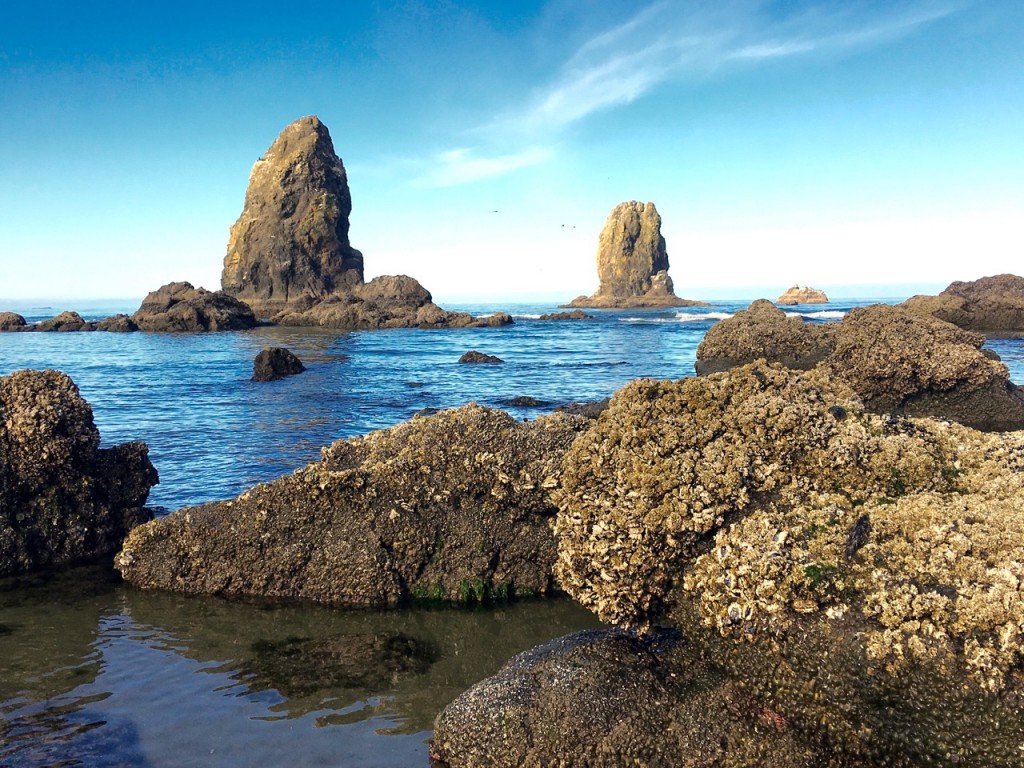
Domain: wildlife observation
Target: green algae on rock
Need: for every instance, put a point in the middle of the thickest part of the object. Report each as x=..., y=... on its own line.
x=861, y=573
x=453, y=507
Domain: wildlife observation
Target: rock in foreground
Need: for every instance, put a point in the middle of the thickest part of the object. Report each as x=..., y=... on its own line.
x=452, y=507
x=275, y=363
x=63, y=499
x=632, y=262
x=181, y=307
x=290, y=244
x=859, y=575
x=993, y=305
x=806, y=295
x=896, y=360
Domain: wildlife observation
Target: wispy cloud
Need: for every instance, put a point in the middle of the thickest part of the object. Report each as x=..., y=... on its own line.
x=670, y=40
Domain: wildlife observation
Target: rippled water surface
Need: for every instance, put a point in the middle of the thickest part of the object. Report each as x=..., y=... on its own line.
x=96, y=674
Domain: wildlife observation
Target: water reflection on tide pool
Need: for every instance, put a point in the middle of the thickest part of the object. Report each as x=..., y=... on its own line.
x=94, y=673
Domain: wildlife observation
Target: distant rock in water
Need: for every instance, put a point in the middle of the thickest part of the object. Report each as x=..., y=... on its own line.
x=181, y=307
x=993, y=305
x=576, y=314
x=525, y=401
x=66, y=321
x=275, y=363
x=290, y=244
x=632, y=262
x=806, y=295
x=454, y=507
x=896, y=361
x=63, y=499
x=479, y=357
x=118, y=324
x=11, y=321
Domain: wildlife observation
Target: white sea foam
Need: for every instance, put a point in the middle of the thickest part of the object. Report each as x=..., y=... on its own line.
x=525, y=316
x=694, y=317
x=824, y=314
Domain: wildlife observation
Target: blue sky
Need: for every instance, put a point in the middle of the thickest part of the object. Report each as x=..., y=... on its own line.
x=873, y=145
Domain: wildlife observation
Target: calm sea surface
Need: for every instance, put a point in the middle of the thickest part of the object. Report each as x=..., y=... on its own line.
x=93, y=673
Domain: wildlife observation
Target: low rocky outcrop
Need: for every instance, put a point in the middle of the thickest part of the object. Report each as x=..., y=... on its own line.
x=452, y=507
x=66, y=321
x=11, y=321
x=525, y=401
x=576, y=314
x=895, y=360
x=117, y=324
x=63, y=499
x=179, y=307
x=290, y=245
x=857, y=574
x=472, y=356
x=805, y=295
x=273, y=363
x=993, y=305
x=632, y=262
x=388, y=301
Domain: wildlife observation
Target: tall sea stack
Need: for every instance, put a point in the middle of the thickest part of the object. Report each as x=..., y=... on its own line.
x=290, y=247
x=632, y=262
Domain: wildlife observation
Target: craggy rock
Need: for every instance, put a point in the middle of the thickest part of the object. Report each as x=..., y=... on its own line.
x=762, y=331
x=453, y=507
x=273, y=363
x=11, y=321
x=632, y=263
x=897, y=361
x=576, y=314
x=290, y=243
x=63, y=499
x=66, y=321
x=181, y=307
x=806, y=295
x=606, y=698
x=117, y=324
x=589, y=410
x=860, y=575
x=479, y=357
x=388, y=301
x=993, y=305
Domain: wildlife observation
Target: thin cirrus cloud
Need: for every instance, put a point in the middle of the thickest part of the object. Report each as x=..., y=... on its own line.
x=667, y=41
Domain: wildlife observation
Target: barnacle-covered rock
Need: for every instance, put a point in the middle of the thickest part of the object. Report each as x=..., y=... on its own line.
x=991, y=305
x=452, y=507
x=859, y=572
x=895, y=360
x=63, y=499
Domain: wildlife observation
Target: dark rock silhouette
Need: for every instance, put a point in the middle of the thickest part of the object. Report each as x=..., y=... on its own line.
x=479, y=357
x=275, y=363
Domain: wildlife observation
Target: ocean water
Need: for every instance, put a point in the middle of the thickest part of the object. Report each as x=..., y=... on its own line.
x=94, y=673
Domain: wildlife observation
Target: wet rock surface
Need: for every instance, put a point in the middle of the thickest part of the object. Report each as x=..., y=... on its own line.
x=290, y=244
x=273, y=363
x=63, y=499
x=632, y=262
x=576, y=314
x=857, y=573
x=993, y=305
x=177, y=307
x=11, y=321
x=897, y=361
x=453, y=507
x=473, y=356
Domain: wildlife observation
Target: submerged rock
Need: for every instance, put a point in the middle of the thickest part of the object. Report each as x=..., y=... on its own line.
x=472, y=356
x=181, y=307
x=453, y=507
x=11, y=321
x=858, y=574
x=576, y=314
x=896, y=361
x=290, y=244
x=63, y=499
x=806, y=295
x=632, y=262
x=274, y=363
x=993, y=305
